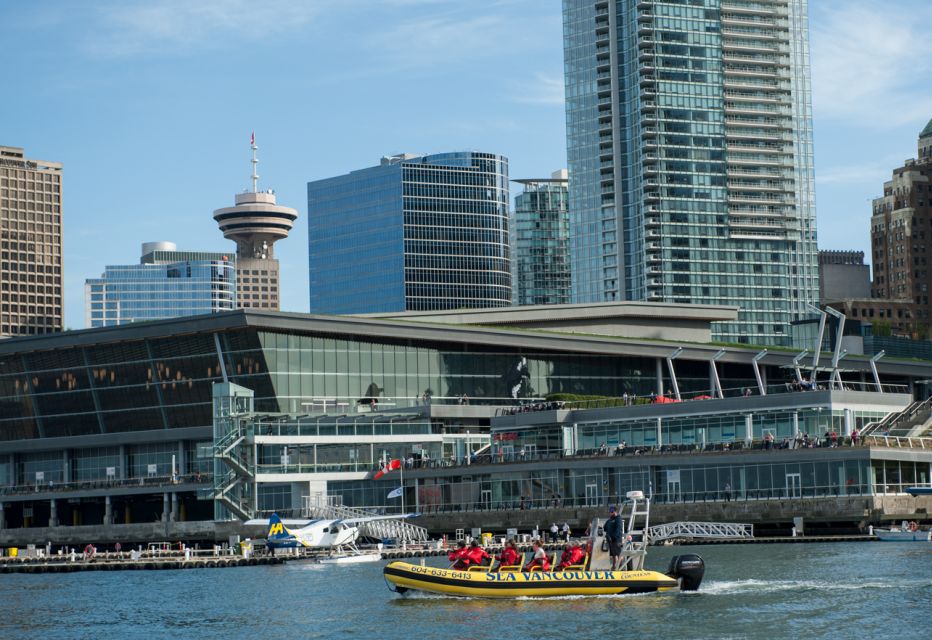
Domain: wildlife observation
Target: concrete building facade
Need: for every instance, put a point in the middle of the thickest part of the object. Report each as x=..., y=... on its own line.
x=31, y=270
x=901, y=227
x=843, y=275
x=689, y=142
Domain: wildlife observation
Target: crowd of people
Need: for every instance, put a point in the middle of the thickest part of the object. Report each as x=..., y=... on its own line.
x=802, y=440
x=550, y=405
x=472, y=555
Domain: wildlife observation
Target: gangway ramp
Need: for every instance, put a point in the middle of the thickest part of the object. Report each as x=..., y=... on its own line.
x=397, y=530
x=700, y=530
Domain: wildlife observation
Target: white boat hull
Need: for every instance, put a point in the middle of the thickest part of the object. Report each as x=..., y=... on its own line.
x=898, y=535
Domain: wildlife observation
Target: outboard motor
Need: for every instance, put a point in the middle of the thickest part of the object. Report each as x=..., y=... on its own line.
x=688, y=570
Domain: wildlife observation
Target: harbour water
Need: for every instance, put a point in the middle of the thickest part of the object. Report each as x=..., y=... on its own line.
x=837, y=590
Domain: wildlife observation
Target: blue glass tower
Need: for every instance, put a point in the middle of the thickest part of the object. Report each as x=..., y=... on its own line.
x=689, y=143
x=540, y=241
x=166, y=284
x=415, y=233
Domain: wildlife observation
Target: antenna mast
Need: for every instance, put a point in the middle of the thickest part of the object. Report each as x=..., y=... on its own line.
x=255, y=163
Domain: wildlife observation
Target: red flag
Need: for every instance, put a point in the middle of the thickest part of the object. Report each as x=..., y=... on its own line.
x=252, y=140
x=390, y=466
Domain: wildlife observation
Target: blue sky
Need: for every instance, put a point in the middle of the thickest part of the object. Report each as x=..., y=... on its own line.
x=150, y=105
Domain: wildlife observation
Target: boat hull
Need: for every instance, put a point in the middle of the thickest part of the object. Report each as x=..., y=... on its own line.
x=898, y=535
x=478, y=584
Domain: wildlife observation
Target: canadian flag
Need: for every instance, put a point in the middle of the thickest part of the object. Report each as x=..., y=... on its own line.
x=391, y=465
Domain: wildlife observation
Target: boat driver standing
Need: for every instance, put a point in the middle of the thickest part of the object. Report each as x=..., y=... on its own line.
x=612, y=529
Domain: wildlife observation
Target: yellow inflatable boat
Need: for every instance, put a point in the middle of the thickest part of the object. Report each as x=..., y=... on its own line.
x=514, y=584
x=594, y=577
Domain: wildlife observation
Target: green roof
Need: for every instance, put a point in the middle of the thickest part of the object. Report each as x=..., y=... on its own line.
x=927, y=131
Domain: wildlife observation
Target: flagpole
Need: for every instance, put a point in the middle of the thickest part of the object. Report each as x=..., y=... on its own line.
x=402, y=469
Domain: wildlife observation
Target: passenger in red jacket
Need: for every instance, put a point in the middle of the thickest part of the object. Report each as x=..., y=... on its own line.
x=477, y=555
x=573, y=555
x=459, y=556
x=509, y=556
x=539, y=561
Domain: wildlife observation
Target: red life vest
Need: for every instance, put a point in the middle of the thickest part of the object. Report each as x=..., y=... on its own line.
x=571, y=557
x=543, y=563
x=460, y=557
x=476, y=555
x=509, y=557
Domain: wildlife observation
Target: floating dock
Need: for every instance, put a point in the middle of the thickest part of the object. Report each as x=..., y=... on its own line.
x=114, y=562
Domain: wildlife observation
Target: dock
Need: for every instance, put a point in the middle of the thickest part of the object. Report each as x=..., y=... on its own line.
x=124, y=562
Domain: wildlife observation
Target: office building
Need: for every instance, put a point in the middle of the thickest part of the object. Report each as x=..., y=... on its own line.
x=413, y=233
x=256, y=222
x=901, y=227
x=30, y=244
x=689, y=144
x=166, y=283
x=540, y=242
x=843, y=276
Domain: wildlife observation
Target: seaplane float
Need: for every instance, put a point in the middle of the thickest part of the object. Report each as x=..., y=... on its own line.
x=593, y=576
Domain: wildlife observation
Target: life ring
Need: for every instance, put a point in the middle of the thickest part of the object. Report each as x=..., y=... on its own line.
x=913, y=526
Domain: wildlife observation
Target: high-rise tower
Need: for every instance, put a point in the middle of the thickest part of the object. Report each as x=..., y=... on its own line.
x=31, y=239
x=540, y=242
x=689, y=143
x=415, y=233
x=255, y=224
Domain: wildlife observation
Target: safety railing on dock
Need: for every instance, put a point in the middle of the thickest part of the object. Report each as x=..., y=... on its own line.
x=700, y=530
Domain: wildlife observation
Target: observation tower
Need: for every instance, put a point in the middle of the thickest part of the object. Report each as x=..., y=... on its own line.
x=255, y=224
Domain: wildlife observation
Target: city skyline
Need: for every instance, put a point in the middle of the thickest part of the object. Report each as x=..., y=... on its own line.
x=145, y=83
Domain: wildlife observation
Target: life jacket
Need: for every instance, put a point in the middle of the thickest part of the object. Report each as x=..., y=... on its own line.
x=572, y=556
x=543, y=563
x=476, y=555
x=509, y=557
x=577, y=555
x=460, y=557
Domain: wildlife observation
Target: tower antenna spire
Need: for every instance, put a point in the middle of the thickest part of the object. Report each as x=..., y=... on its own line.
x=255, y=163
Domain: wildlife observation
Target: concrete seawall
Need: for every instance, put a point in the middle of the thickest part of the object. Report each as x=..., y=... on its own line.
x=826, y=515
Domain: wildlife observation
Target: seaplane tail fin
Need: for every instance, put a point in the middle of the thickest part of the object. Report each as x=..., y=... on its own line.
x=277, y=529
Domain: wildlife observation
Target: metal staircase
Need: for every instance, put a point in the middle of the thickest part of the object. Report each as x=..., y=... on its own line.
x=903, y=423
x=232, y=488
x=396, y=530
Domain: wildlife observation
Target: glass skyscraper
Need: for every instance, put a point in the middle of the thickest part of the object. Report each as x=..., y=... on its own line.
x=689, y=144
x=167, y=283
x=540, y=241
x=415, y=233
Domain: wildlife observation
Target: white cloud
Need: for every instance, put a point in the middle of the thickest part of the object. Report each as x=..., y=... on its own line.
x=871, y=62
x=543, y=89
x=182, y=26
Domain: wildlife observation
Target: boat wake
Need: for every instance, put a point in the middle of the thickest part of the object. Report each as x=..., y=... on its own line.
x=730, y=587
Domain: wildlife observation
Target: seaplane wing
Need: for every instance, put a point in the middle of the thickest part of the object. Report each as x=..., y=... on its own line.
x=364, y=519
